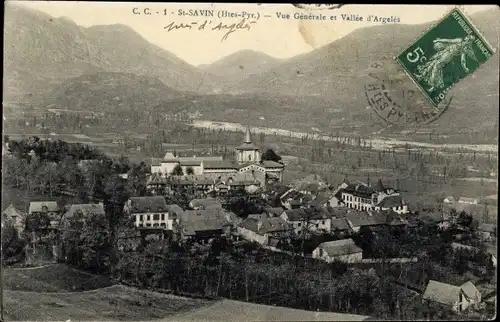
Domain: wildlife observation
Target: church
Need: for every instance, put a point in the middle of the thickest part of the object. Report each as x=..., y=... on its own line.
x=246, y=165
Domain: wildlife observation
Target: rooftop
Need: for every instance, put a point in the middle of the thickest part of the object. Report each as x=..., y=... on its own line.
x=390, y=202
x=38, y=206
x=205, y=220
x=301, y=214
x=340, y=247
x=271, y=164
x=85, y=210
x=361, y=218
x=11, y=211
x=470, y=290
x=223, y=164
x=205, y=203
x=274, y=211
x=265, y=225
x=359, y=190
x=147, y=204
x=340, y=224
x=442, y=293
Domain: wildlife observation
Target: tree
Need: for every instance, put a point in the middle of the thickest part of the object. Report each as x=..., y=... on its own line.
x=12, y=245
x=37, y=223
x=189, y=171
x=270, y=155
x=177, y=171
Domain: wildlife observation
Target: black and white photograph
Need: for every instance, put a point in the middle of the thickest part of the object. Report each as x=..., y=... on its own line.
x=249, y=162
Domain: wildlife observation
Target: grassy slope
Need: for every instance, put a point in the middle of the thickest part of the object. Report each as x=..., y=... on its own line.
x=228, y=310
x=107, y=304
x=47, y=293
x=53, y=278
x=55, y=293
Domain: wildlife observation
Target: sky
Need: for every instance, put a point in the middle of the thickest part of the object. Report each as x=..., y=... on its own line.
x=281, y=38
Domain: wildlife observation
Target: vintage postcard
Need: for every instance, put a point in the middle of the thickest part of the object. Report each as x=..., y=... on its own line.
x=249, y=162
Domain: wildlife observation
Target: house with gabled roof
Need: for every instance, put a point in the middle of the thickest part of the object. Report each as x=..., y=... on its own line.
x=264, y=230
x=150, y=213
x=359, y=219
x=449, y=199
x=363, y=197
x=457, y=298
x=49, y=208
x=344, y=250
x=308, y=219
x=487, y=231
x=204, y=225
x=433, y=218
x=16, y=217
x=82, y=211
x=470, y=201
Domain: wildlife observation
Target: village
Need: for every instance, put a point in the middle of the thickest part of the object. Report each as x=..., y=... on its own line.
x=201, y=200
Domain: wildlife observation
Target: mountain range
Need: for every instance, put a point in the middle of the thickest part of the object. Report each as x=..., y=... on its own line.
x=241, y=64
x=40, y=51
x=57, y=62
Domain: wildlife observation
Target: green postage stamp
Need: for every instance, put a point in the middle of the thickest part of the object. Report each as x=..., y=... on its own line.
x=446, y=53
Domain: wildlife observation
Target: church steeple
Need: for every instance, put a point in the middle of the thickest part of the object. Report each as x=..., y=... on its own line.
x=247, y=152
x=248, y=136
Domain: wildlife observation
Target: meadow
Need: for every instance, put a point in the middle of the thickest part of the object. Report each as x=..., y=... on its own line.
x=57, y=292
x=49, y=293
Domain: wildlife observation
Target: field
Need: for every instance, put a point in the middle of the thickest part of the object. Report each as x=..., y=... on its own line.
x=108, y=304
x=52, y=278
x=59, y=293
x=228, y=310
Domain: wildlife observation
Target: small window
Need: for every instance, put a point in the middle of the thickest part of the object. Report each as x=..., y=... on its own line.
x=148, y=225
x=148, y=217
x=156, y=217
x=162, y=216
x=163, y=224
x=299, y=224
x=155, y=225
x=322, y=222
x=140, y=218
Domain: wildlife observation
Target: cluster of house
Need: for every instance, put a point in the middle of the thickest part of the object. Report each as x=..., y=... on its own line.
x=58, y=219
x=204, y=221
x=308, y=205
x=213, y=173
x=357, y=196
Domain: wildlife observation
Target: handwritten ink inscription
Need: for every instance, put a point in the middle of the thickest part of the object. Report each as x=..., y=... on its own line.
x=229, y=28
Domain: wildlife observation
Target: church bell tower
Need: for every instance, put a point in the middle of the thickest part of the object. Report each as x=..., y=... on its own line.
x=247, y=152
